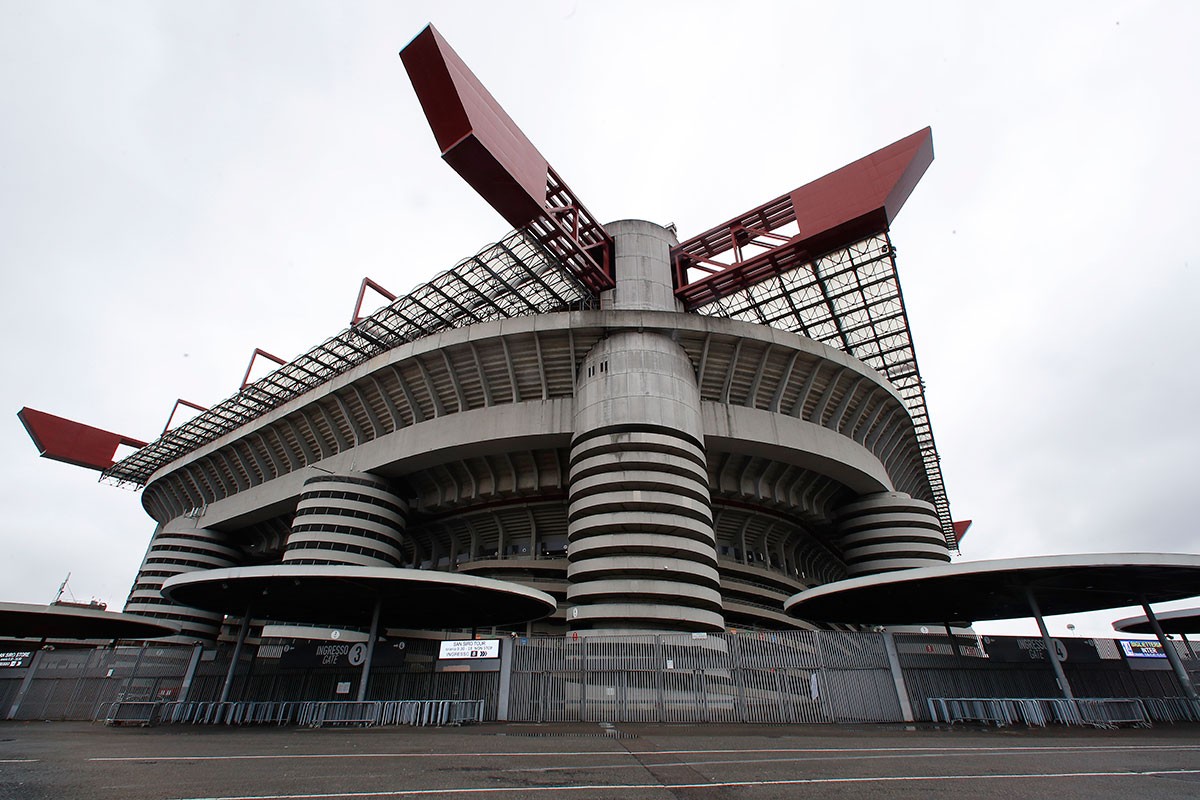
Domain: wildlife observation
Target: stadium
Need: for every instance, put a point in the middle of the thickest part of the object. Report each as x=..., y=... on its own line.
x=663, y=435
x=594, y=472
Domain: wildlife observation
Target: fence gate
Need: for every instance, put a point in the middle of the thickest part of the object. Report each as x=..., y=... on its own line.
x=770, y=677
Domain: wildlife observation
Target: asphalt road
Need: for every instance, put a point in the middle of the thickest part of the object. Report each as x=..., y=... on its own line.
x=65, y=761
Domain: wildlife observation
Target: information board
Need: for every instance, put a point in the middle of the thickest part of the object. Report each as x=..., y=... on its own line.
x=459, y=650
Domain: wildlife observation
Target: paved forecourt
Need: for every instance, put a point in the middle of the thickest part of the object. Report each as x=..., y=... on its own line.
x=641, y=762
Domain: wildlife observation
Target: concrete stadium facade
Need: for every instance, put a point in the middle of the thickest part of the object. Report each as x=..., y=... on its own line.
x=652, y=469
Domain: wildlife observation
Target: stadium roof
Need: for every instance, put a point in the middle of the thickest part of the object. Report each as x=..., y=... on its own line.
x=345, y=595
x=849, y=299
x=25, y=620
x=983, y=590
x=514, y=277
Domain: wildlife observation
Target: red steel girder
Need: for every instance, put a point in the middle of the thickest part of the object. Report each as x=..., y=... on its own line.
x=258, y=351
x=483, y=145
x=357, y=316
x=73, y=442
x=856, y=201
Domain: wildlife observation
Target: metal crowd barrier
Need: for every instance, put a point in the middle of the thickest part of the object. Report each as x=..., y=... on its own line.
x=1109, y=712
x=431, y=712
x=339, y=712
x=239, y=713
x=313, y=714
x=1101, y=712
x=1172, y=709
x=131, y=712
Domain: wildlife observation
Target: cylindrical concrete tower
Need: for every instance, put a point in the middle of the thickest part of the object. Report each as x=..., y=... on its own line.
x=889, y=531
x=642, y=551
x=179, y=546
x=347, y=519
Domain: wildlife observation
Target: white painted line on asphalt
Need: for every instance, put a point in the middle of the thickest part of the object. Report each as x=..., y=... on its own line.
x=722, y=785
x=272, y=756
x=814, y=757
x=933, y=749
x=18, y=760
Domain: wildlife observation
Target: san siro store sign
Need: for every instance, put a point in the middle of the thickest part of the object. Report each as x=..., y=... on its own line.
x=15, y=659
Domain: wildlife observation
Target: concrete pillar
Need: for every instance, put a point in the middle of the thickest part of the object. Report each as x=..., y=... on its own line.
x=1181, y=673
x=642, y=551
x=507, y=646
x=34, y=663
x=1051, y=650
x=185, y=688
x=888, y=531
x=889, y=644
x=353, y=519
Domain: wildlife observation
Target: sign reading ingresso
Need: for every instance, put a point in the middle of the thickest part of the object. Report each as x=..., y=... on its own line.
x=299, y=654
x=469, y=648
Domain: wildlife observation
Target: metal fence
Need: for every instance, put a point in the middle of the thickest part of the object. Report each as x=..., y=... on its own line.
x=77, y=683
x=772, y=677
x=309, y=714
x=786, y=677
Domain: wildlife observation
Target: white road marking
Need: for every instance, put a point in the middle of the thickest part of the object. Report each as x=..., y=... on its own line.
x=810, y=758
x=271, y=756
x=715, y=785
x=932, y=749
x=18, y=760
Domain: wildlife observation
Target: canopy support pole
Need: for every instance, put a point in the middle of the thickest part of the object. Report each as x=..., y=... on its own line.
x=1051, y=653
x=1172, y=655
x=1191, y=650
x=953, y=641
x=366, y=667
x=237, y=656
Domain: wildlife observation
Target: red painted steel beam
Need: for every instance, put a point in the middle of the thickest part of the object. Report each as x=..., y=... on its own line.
x=357, y=316
x=181, y=402
x=73, y=442
x=477, y=137
x=484, y=146
x=849, y=204
x=246, y=378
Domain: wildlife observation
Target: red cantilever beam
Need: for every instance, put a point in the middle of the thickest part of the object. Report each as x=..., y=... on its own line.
x=483, y=145
x=73, y=442
x=476, y=136
x=856, y=201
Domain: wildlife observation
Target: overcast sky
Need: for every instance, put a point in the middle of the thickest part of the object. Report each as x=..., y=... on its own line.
x=183, y=182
